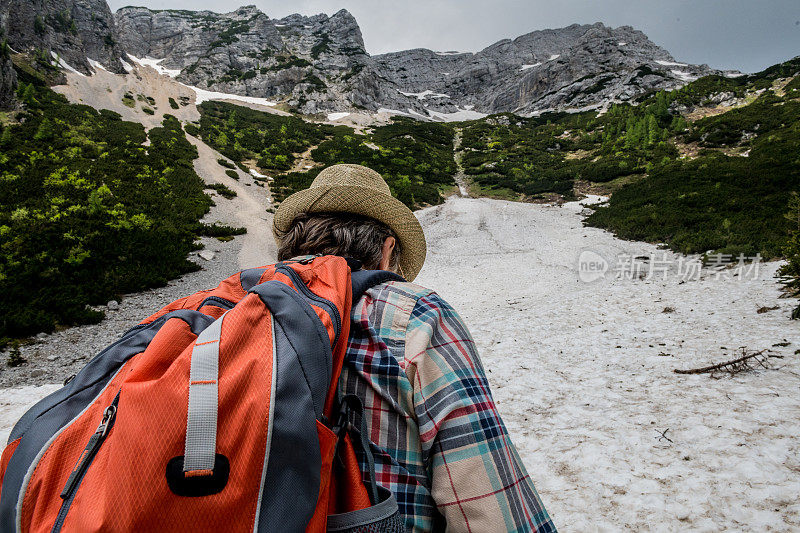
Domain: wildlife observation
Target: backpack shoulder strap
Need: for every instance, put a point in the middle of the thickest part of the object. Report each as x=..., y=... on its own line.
x=364, y=280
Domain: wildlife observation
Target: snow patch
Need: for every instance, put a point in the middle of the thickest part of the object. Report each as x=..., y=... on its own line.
x=148, y=61
x=671, y=63
x=465, y=113
x=127, y=66
x=526, y=67
x=15, y=402
x=96, y=64
x=593, y=199
x=205, y=96
x=424, y=94
x=685, y=76
x=256, y=174
x=621, y=44
x=66, y=66
x=337, y=116
x=450, y=53
x=582, y=373
x=554, y=57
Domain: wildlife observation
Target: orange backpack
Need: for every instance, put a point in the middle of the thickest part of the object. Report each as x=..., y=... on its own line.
x=218, y=413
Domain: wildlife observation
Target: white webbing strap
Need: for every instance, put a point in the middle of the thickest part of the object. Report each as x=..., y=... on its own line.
x=201, y=426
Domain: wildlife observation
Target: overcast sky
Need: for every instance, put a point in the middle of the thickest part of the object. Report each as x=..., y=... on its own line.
x=747, y=35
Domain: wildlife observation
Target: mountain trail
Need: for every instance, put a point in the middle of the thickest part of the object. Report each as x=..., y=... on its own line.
x=247, y=209
x=304, y=162
x=460, y=177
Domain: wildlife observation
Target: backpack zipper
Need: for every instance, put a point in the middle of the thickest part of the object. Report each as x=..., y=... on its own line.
x=217, y=301
x=329, y=306
x=84, y=461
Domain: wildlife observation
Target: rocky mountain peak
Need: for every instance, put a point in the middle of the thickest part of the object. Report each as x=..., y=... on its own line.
x=318, y=64
x=72, y=30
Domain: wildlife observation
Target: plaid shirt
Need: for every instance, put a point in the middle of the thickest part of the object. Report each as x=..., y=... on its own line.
x=438, y=440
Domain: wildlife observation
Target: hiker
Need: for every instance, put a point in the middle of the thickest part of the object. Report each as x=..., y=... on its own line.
x=438, y=441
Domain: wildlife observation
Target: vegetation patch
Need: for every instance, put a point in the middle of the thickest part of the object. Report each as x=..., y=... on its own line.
x=790, y=272
x=240, y=133
x=222, y=189
x=415, y=158
x=94, y=215
x=128, y=100
x=219, y=231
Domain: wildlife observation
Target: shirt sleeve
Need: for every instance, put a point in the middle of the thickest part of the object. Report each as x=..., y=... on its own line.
x=477, y=478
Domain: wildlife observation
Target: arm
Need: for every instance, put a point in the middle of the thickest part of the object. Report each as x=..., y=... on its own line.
x=477, y=478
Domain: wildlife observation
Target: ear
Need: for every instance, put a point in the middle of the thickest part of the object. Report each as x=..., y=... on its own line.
x=386, y=254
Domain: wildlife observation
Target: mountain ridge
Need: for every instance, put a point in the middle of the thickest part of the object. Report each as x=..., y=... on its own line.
x=318, y=64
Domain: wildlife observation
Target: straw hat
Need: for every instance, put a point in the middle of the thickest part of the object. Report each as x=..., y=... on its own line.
x=359, y=190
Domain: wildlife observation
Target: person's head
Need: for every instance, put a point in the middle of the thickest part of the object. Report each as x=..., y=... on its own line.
x=373, y=243
x=349, y=211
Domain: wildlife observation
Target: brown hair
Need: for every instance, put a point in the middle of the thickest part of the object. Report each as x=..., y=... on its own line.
x=341, y=234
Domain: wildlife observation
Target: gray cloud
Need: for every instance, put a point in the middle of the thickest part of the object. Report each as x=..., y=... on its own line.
x=748, y=35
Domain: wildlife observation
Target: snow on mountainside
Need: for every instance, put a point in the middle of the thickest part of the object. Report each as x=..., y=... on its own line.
x=319, y=64
x=313, y=64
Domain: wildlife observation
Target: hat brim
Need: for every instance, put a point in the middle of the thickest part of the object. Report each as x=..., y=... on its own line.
x=365, y=201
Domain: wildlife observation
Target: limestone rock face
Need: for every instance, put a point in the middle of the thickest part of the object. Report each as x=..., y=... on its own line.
x=574, y=67
x=8, y=82
x=319, y=64
x=315, y=64
x=74, y=30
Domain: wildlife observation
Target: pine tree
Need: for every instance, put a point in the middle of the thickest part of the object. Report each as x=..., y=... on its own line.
x=6, y=138
x=46, y=131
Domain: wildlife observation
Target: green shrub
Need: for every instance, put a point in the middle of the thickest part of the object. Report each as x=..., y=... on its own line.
x=95, y=215
x=240, y=133
x=219, y=230
x=222, y=189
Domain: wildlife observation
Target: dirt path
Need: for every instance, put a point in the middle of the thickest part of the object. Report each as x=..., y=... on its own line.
x=304, y=161
x=247, y=209
x=460, y=177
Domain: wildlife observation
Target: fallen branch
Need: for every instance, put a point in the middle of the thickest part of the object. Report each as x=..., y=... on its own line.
x=734, y=366
x=662, y=435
